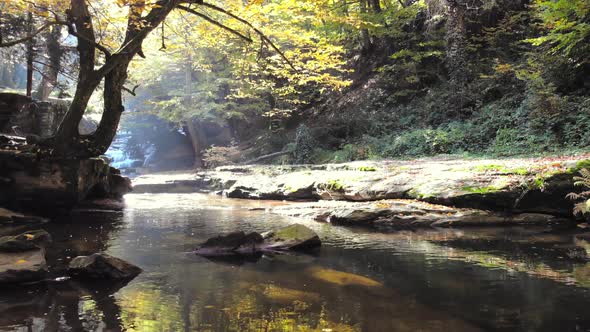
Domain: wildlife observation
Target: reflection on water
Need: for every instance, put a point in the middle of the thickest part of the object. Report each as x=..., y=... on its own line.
x=469, y=280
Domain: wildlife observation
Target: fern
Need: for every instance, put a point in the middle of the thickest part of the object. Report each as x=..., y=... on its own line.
x=583, y=180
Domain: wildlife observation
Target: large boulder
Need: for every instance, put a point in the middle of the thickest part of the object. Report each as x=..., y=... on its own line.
x=102, y=266
x=22, y=267
x=31, y=240
x=293, y=237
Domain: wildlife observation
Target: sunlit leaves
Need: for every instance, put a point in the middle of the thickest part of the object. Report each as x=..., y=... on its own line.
x=567, y=23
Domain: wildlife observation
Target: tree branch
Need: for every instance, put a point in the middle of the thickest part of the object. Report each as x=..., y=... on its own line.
x=212, y=21
x=96, y=45
x=30, y=36
x=131, y=91
x=262, y=35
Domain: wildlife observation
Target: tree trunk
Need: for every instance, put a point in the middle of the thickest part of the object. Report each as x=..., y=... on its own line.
x=30, y=57
x=113, y=108
x=376, y=5
x=197, y=139
x=66, y=138
x=365, y=37
x=456, y=57
x=51, y=70
x=114, y=71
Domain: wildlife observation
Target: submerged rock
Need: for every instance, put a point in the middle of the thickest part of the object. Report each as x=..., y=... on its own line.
x=102, y=266
x=31, y=240
x=293, y=237
x=230, y=244
x=11, y=217
x=22, y=267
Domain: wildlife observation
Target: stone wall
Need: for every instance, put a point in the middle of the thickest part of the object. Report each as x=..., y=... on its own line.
x=20, y=115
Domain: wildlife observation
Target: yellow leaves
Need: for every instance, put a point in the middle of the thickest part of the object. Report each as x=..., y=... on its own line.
x=21, y=261
x=29, y=237
x=503, y=68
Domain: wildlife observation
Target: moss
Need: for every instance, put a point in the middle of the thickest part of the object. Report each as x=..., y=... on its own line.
x=501, y=169
x=481, y=190
x=367, y=169
x=331, y=185
x=579, y=165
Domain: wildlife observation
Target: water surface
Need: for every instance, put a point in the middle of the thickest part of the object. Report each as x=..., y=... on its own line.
x=512, y=279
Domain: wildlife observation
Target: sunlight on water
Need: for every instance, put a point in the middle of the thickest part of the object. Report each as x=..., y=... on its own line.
x=458, y=280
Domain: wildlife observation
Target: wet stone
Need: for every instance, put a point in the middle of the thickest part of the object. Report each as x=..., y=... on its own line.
x=102, y=266
x=26, y=241
x=22, y=267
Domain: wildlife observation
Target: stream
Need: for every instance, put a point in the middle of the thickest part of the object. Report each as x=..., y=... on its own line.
x=474, y=279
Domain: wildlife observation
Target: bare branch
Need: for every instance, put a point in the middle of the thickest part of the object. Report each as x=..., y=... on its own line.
x=262, y=35
x=131, y=91
x=30, y=36
x=212, y=21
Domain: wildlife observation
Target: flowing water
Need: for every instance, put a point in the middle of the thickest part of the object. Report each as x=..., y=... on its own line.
x=512, y=279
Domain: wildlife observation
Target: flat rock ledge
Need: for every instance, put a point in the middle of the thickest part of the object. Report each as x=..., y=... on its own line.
x=8, y=217
x=506, y=185
x=408, y=214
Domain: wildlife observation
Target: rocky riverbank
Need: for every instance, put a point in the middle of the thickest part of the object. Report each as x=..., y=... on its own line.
x=434, y=192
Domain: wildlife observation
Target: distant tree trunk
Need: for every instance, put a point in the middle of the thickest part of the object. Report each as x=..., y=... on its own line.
x=456, y=52
x=7, y=74
x=51, y=70
x=30, y=56
x=376, y=5
x=197, y=139
x=365, y=37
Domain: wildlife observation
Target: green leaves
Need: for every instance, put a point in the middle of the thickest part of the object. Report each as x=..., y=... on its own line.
x=567, y=26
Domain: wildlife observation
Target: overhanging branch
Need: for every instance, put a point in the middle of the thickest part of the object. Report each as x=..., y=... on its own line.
x=214, y=22
x=28, y=37
x=262, y=35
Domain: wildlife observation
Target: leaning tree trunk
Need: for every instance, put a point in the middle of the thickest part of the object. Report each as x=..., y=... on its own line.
x=113, y=108
x=114, y=72
x=456, y=53
x=66, y=138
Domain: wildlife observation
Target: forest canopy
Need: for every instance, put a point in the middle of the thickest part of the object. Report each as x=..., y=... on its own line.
x=374, y=78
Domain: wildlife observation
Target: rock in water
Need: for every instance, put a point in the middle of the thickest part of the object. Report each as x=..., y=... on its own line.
x=230, y=244
x=293, y=237
x=11, y=217
x=22, y=267
x=30, y=240
x=102, y=266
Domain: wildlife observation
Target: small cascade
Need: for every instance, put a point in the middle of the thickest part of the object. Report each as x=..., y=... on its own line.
x=122, y=158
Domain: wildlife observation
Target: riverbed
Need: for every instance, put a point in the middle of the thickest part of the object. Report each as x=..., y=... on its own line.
x=475, y=279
